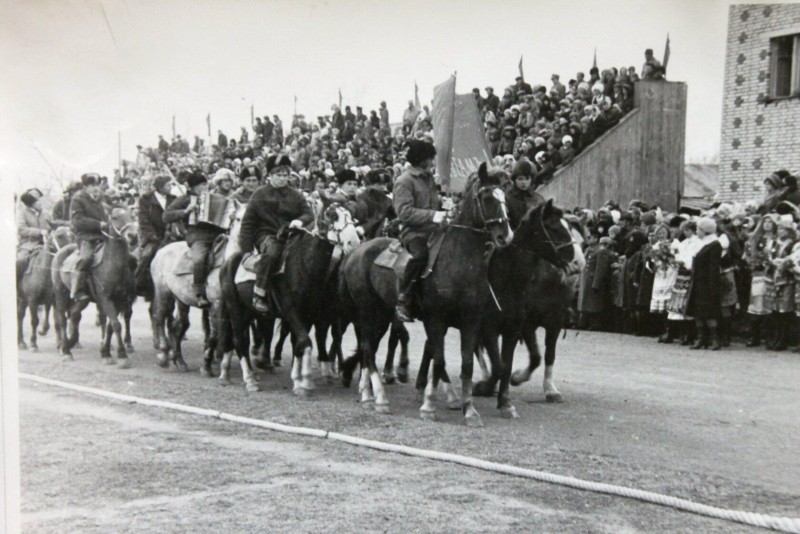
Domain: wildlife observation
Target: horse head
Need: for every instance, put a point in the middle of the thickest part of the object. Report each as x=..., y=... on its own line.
x=544, y=231
x=120, y=223
x=336, y=224
x=484, y=206
x=60, y=238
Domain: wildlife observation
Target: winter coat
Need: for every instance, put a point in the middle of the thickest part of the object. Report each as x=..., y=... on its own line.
x=269, y=210
x=704, y=299
x=594, y=295
x=416, y=200
x=30, y=224
x=86, y=216
x=151, y=218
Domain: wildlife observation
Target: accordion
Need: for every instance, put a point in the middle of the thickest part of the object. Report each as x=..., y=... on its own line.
x=214, y=210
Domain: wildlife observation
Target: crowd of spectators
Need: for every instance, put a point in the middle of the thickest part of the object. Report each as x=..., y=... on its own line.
x=646, y=273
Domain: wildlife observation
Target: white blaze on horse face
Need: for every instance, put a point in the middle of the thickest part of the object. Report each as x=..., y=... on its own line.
x=343, y=232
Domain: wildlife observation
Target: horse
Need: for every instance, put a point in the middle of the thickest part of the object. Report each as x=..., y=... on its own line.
x=304, y=294
x=36, y=286
x=522, y=275
x=172, y=287
x=110, y=285
x=454, y=293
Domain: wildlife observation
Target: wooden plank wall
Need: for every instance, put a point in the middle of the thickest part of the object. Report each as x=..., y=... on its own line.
x=641, y=158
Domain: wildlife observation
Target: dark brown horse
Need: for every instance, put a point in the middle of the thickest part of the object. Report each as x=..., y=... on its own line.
x=303, y=293
x=526, y=278
x=36, y=286
x=110, y=286
x=455, y=294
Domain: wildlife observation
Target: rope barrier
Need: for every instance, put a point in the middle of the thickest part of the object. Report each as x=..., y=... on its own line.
x=782, y=524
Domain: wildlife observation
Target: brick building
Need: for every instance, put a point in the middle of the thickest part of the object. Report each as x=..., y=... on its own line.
x=761, y=104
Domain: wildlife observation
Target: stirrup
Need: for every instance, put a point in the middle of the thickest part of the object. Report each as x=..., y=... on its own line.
x=404, y=314
x=260, y=304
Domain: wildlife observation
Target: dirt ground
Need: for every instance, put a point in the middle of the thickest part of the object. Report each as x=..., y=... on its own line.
x=720, y=428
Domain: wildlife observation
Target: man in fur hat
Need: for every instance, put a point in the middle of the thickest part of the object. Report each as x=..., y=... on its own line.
x=416, y=201
x=521, y=196
x=272, y=208
x=151, y=230
x=89, y=220
x=199, y=236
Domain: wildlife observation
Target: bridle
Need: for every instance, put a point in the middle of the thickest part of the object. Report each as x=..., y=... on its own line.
x=476, y=193
x=553, y=244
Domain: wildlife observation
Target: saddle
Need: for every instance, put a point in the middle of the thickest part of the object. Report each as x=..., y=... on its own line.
x=248, y=268
x=396, y=257
x=214, y=259
x=30, y=261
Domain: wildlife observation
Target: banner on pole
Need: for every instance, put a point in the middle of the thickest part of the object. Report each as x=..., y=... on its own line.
x=173, y=126
x=522, y=74
x=208, y=123
x=460, y=140
x=416, y=96
x=340, y=98
x=666, y=55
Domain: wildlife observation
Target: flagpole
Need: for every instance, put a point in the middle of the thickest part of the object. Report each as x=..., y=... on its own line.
x=173, y=127
x=119, y=151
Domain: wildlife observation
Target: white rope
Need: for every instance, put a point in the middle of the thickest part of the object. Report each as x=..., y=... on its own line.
x=783, y=524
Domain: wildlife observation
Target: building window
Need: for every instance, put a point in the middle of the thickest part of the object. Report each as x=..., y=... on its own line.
x=784, y=66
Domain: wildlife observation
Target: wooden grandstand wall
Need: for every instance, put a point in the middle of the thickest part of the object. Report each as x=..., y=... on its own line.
x=640, y=158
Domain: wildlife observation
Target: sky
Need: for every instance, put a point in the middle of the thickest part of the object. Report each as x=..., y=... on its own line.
x=80, y=74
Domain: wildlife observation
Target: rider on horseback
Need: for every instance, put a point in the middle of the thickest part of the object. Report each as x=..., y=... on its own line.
x=272, y=207
x=199, y=236
x=152, y=230
x=32, y=227
x=416, y=201
x=88, y=219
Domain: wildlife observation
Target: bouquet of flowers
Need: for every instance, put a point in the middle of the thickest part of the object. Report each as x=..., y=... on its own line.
x=662, y=255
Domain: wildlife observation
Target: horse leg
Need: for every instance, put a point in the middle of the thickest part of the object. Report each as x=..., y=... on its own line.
x=46, y=320
x=127, y=316
x=402, y=370
x=303, y=383
x=424, y=369
x=389, y=376
x=277, y=352
x=469, y=340
x=265, y=328
x=365, y=386
x=178, y=330
x=21, y=309
x=434, y=350
x=507, y=409
x=486, y=387
x=372, y=340
x=521, y=376
x=34, y=311
x=349, y=364
x=161, y=313
x=209, y=343
x=551, y=393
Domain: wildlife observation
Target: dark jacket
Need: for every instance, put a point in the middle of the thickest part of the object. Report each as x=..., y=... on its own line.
x=60, y=215
x=704, y=299
x=416, y=199
x=151, y=218
x=194, y=232
x=86, y=216
x=372, y=207
x=519, y=202
x=270, y=209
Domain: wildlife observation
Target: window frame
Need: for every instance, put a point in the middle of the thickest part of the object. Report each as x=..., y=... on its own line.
x=794, y=72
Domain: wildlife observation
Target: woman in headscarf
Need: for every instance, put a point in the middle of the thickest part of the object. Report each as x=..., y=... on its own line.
x=757, y=256
x=683, y=252
x=660, y=261
x=783, y=282
x=704, y=299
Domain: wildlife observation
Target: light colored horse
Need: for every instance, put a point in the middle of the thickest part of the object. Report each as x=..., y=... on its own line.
x=173, y=288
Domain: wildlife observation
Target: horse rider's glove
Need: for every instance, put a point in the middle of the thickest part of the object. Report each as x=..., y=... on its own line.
x=296, y=224
x=439, y=216
x=360, y=231
x=447, y=204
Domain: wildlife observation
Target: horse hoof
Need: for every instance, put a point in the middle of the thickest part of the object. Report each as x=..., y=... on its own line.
x=34, y=348
x=108, y=360
x=383, y=408
x=129, y=347
x=276, y=363
x=77, y=345
x=554, y=397
x=206, y=372
x=389, y=378
x=366, y=403
x=162, y=360
x=509, y=412
x=419, y=395
x=224, y=381
x=67, y=358
x=474, y=421
x=518, y=378
x=44, y=331
x=22, y=345
x=301, y=392
x=252, y=387
x=454, y=404
x=483, y=389
x=124, y=363
x=426, y=415
x=402, y=376
x=181, y=367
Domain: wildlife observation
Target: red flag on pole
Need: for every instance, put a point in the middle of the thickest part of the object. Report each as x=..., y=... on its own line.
x=173, y=126
x=295, y=104
x=522, y=75
x=252, y=114
x=416, y=95
x=666, y=55
x=208, y=123
x=340, y=98
x=594, y=62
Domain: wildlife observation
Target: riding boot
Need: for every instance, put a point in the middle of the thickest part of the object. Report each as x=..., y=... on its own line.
x=78, y=291
x=200, y=294
x=414, y=269
x=715, y=341
x=755, y=332
x=260, y=298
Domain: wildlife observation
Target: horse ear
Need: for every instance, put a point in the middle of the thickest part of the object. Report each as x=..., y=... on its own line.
x=482, y=172
x=548, y=208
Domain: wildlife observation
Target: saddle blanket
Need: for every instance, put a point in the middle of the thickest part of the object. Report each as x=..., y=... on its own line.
x=396, y=257
x=215, y=258
x=248, y=269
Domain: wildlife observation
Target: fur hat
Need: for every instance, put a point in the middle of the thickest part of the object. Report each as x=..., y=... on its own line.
x=30, y=197
x=419, y=151
x=223, y=174
x=605, y=240
x=522, y=168
x=566, y=139
x=160, y=180
x=275, y=161
x=649, y=218
x=195, y=178
x=707, y=225
x=90, y=179
x=346, y=175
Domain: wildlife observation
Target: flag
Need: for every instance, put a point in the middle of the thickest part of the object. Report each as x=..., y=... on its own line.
x=295, y=104
x=666, y=55
x=208, y=123
x=522, y=75
x=594, y=62
x=252, y=114
x=340, y=98
x=416, y=96
x=173, y=126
